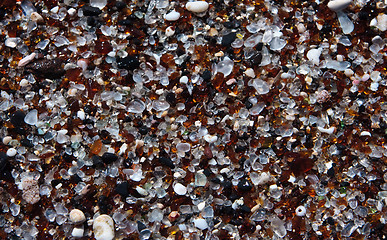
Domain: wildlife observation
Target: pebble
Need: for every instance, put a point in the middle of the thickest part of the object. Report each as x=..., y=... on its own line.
x=24, y=83
x=180, y=189
x=103, y=227
x=7, y=139
x=250, y=72
x=172, y=16
x=77, y=216
x=36, y=17
x=200, y=223
x=24, y=61
x=11, y=152
x=338, y=5
x=380, y=22
x=197, y=6
x=169, y=31
x=77, y=232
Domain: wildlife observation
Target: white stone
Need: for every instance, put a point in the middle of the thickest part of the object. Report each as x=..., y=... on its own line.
x=300, y=211
x=103, y=227
x=71, y=11
x=380, y=22
x=77, y=216
x=169, y=31
x=250, y=72
x=11, y=42
x=180, y=189
x=313, y=55
x=81, y=114
x=11, y=152
x=200, y=223
x=348, y=72
x=210, y=138
x=7, y=139
x=325, y=130
x=77, y=232
x=337, y=5
x=260, y=179
x=172, y=16
x=98, y=3
x=226, y=66
x=184, y=79
x=261, y=86
x=24, y=83
x=197, y=6
x=36, y=17
x=24, y=61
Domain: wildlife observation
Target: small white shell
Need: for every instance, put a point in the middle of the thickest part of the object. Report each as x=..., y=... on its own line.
x=300, y=211
x=103, y=227
x=24, y=61
x=197, y=6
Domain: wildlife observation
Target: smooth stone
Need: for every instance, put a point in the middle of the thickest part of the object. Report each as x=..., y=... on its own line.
x=77, y=232
x=180, y=189
x=77, y=216
x=11, y=152
x=103, y=227
x=172, y=16
x=337, y=5
x=197, y=6
x=24, y=61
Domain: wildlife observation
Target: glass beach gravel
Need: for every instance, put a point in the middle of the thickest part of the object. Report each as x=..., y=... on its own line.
x=164, y=119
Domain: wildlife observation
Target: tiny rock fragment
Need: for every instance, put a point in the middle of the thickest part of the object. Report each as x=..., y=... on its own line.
x=103, y=227
x=197, y=6
x=46, y=68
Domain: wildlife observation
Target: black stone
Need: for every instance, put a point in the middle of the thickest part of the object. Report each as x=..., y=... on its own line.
x=129, y=63
x=215, y=180
x=143, y=130
x=171, y=98
x=97, y=162
x=102, y=204
x=244, y=185
x=331, y=172
x=75, y=178
x=140, y=226
x=228, y=39
x=109, y=157
x=125, y=22
x=122, y=189
x=120, y=5
x=259, y=46
x=91, y=21
x=166, y=161
x=3, y=161
x=245, y=209
x=206, y=75
x=256, y=59
x=88, y=121
x=331, y=221
x=248, y=104
x=227, y=184
x=17, y=118
x=26, y=143
x=128, y=162
x=207, y=172
x=91, y=11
